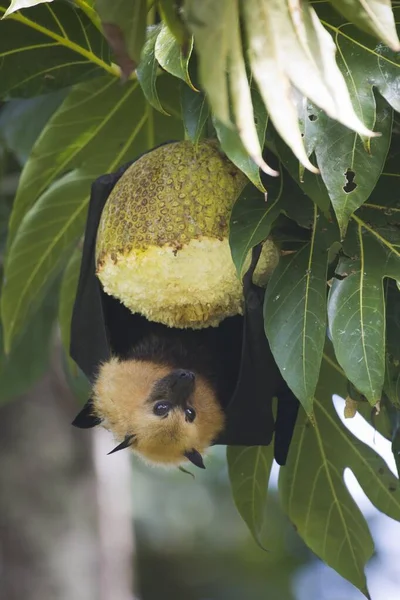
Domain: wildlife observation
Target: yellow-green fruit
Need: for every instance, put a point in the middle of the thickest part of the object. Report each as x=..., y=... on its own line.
x=162, y=244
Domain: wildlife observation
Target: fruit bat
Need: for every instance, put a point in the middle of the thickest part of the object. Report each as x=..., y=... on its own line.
x=169, y=394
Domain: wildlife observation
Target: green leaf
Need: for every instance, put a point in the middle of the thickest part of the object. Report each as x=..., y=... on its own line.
x=380, y=422
x=364, y=63
x=209, y=22
x=373, y=16
x=312, y=489
x=147, y=69
x=252, y=219
x=76, y=379
x=356, y=307
x=233, y=147
x=310, y=183
x=392, y=355
x=69, y=286
x=291, y=48
x=249, y=473
x=124, y=25
x=29, y=358
x=41, y=249
x=21, y=121
x=47, y=231
x=370, y=469
x=171, y=57
x=88, y=7
x=195, y=112
x=349, y=169
x=5, y=200
x=47, y=48
x=251, y=127
x=295, y=313
x=20, y=4
x=170, y=15
x=96, y=114
x=217, y=31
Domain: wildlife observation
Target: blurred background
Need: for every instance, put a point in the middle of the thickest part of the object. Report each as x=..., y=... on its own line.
x=76, y=524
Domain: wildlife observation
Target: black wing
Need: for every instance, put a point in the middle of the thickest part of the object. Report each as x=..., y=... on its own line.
x=89, y=337
x=250, y=420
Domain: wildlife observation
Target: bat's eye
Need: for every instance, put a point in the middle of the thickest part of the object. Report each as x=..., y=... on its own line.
x=190, y=414
x=161, y=409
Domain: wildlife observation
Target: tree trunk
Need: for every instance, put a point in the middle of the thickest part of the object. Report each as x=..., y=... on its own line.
x=58, y=516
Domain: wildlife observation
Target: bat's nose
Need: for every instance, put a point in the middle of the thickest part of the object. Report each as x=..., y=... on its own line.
x=183, y=382
x=184, y=374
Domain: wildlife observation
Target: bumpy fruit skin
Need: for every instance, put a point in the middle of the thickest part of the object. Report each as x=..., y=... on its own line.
x=162, y=244
x=172, y=195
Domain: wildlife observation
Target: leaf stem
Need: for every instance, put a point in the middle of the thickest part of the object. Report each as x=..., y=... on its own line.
x=383, y=241
x=150, y=126
x=89, y=12
x=339, y=31
x=63, y=41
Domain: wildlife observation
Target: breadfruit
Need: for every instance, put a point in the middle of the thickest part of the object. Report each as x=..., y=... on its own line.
x=162, y=245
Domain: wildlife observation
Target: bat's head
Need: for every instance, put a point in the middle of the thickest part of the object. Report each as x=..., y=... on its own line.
x=165, y=415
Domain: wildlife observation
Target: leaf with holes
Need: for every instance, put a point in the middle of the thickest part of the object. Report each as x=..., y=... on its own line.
x=43, y=234
x=310, y=183
x=147, y=69
x=356, y=307
x=48, y=47
x=124, y=25
x=366, y=66
x=195, y=112
x=295, y=313
x=373, y=16
x=249, y=472
x=252, y=219
x=171, y=56
x=312, y=489
x=349, y=170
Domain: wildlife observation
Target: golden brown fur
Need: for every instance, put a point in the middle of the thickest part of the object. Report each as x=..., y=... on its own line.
x=120, y=398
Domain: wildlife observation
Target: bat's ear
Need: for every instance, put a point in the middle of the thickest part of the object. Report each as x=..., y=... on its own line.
x=124, y=444
x=86, y=419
